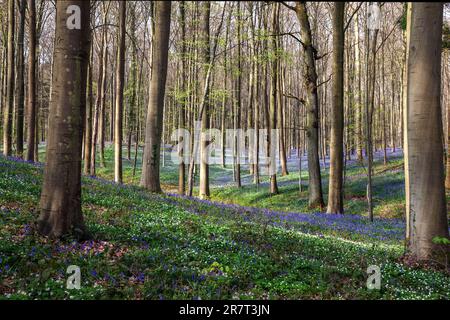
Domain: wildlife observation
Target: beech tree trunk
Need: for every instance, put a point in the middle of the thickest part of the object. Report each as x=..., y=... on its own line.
x=335, y=190
x=182, y=116
x=60, y=205
x=88, y=121
x=20, y=89
x=120, y=79
x=427, y=208
x=273, y=102
x=312, y=130
x=358, y=94
x=205, y=113
x=8, y=113
x=31, y=103
x=150, y=166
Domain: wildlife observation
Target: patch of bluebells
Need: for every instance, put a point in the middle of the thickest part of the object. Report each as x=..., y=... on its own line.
x=85, y=248
x=20, y=160
x=383, y=229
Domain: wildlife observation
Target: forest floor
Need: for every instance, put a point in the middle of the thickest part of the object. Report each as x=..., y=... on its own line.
x=241, y=244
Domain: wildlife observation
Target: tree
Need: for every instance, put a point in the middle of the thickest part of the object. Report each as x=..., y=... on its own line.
x=238, y=102
x=427, y=204
x=358, y=93
x=99, y=112
x=206, y=56
x=60, y=205
x=8, y=113
x=372, y=36
x=87, y=165
x=132, y=82
x=273, y=98
x=31, y=103
x=120, y=79
x=20, y=99
x=182, y=116
x=335, y=190
x=150, y=165
x=312, y=130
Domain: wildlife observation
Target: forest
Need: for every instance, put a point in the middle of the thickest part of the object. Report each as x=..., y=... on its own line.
x=224, y=150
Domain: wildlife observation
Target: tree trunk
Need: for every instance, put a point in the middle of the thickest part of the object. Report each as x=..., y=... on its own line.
x=273, y=103
x=238, y=103
x=312, y=130
x=31, y=103
x=8, y=113
x=150, y=165
x=427, y=207
x=182, y=116
x=370, y=97
x=88, y=122
x=132, y=82
x=335, y=191
x=205, y=54
x=357, y=93
x=120, y=79
x=20, y=98
x=60, y=203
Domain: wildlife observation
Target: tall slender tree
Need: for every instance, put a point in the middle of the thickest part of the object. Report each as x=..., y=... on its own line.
x=335, y=189
x=182, y=115
x=60, y=205
x=20, y=89
x=273, y=98
x=371, y=54
x=31, y=103
x=87, y=165
x=358, y=93
x=8, y=113
x=312, y=100
x=120, y=80
x=205, y=113
x=427, y=204
x=150, y=166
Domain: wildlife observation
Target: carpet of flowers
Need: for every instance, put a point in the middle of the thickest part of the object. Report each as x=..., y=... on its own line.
x=147, y=246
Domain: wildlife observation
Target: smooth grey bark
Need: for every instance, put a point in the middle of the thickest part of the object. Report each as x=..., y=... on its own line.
x=335, y=189
x=8, y=113
x=60, y=204
x=120, y=81
x=31, y=103
x=20, y=89
x=427, y=207
x=183, y=105
x=312, y=105
x=204, y=191
x=150, y=166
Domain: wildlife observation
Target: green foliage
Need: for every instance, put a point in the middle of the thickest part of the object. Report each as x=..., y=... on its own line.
x=149, y=246
x=441, y=240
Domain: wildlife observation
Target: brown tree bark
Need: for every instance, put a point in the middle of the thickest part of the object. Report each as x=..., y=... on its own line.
x=182, y=116
x=99, y=111
x=312, y=130
x=132, y=83
x=358, y=94
x=60, y=205
x=31, y=103
x=120, y=79
x=8, y=113
x=273, y=99
x=20, y=89
x=150, y=166
x=372, y=36
x=204, y=191
x=88, y=121
x=427, y=208
x=335, y=190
